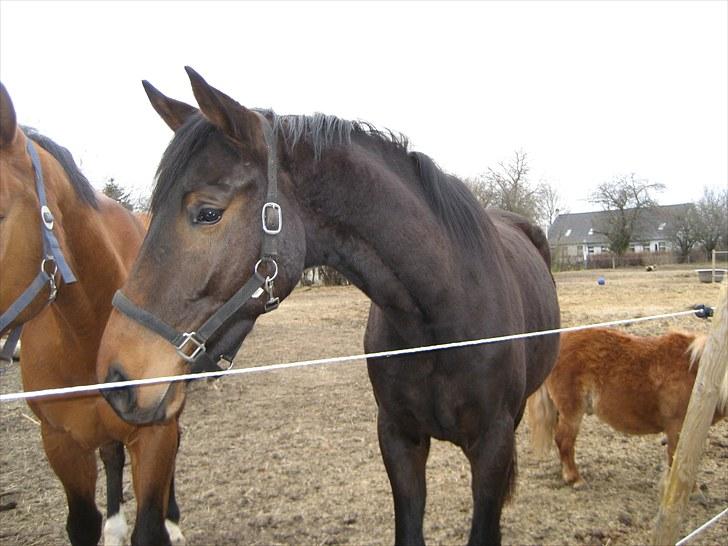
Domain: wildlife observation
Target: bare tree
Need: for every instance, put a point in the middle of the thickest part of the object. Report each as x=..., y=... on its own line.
x=481, y=188
x=511, y=187
x=550, y=204
x=625, y=198
x=684, y=233
x=712, y=219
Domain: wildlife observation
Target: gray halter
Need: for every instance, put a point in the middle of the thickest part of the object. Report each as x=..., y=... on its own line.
x=52, y=262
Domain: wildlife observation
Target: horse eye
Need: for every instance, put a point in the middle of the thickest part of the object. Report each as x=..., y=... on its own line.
x=208, y=216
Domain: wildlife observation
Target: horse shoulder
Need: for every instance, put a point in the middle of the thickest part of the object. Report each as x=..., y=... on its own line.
x=124, y=228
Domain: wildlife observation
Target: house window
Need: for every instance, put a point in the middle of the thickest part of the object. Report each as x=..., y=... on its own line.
x=591, y=231
x=661, y=226
x=590, y=249
x=568, y=232
x=662, y=246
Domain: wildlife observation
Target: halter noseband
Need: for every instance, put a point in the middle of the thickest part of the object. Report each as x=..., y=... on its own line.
x=53, y=261
x=192, y=346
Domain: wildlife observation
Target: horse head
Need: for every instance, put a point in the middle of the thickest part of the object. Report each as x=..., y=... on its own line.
x=213, y=217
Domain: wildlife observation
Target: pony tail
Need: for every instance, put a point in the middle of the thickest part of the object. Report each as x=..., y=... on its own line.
x=542, y=416
x=695, y=349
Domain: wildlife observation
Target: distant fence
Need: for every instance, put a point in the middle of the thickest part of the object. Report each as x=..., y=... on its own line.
x=608, y=260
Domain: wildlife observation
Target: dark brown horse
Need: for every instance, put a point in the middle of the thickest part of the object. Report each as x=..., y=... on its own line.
x=44, y=197
x=437, y=267
x=637, y=385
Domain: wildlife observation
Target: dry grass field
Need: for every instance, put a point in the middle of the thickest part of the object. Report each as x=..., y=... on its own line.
x=291, y=457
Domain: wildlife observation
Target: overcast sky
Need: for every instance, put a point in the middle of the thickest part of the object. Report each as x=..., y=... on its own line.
x=589, y=90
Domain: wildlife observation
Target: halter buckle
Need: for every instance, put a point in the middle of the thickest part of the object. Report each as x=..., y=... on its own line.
x=46, y=216
x=278, y=220
x=199, y=346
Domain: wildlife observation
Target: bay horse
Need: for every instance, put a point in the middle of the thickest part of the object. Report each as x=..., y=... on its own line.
x=83, y=243
x=635, y=384
x=247, y=194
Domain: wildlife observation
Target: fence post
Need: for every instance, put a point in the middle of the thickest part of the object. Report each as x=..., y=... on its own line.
x=680, y=481
x=712, y=279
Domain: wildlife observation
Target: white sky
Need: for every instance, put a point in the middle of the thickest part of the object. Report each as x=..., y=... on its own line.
x=588, y=90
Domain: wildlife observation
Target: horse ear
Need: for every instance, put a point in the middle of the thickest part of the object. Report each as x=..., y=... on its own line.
x=173, y=112
x=236, y=121
x=8, y=121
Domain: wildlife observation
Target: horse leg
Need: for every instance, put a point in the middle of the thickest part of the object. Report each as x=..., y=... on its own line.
x=171, y=523
x=76, y=468
x=173, y=513
x=567, y=428
x=153, y=450
x=492, y=458
x=115, y=528
x=405, y=459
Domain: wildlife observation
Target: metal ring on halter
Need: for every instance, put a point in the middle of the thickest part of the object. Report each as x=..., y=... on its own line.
x=49, y=259
x=275, y=269
x=53, y=290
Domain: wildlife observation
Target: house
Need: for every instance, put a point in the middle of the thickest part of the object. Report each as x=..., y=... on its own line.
x=574, y=237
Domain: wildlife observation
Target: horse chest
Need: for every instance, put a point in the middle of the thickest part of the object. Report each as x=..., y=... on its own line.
x=424, y=398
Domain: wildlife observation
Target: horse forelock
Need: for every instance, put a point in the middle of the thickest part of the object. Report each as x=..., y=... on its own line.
x=78, y=180
x=188, y=139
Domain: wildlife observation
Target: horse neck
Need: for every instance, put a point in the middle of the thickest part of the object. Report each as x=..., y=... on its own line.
x=91, y=245
x=379, y=232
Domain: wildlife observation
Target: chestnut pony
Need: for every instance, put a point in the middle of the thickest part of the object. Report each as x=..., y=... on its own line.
x=637, y=385
x=246, y=199
x=95, y=242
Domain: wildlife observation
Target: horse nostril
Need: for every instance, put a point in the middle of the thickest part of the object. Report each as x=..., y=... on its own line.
x=122, y=399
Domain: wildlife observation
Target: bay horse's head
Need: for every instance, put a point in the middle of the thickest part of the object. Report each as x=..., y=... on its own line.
x=224, y=223
x=34, y=176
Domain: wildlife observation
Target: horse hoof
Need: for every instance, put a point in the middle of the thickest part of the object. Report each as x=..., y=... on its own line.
x=578, y=485
x=175, y=535
x=115, y=530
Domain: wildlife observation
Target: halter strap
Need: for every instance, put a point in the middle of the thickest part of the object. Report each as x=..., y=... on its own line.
x=192, y=346
x=52, y=253
x=51, y=248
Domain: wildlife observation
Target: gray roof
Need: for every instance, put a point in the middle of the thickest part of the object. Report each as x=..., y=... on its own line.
x=574, y=229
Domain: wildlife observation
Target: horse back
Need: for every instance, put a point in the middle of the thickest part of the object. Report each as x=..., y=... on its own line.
x=527, y=261
x=636, y=384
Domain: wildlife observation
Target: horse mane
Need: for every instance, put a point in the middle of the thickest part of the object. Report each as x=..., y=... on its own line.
x=447, y=196
x=80, y=183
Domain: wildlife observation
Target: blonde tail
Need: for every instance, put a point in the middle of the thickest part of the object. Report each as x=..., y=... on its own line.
x=542, y=416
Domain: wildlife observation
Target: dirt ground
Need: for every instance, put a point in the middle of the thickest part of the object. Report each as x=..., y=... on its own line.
x=291, y=457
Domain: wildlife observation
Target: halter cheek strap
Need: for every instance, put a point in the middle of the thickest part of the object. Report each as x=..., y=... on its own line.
x=53, y=261
x=192, y=346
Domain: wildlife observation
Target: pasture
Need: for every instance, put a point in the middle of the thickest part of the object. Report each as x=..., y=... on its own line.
x=291, y=457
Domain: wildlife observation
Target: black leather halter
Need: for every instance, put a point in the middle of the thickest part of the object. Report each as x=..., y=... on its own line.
x=192, y=346
x=53, y=261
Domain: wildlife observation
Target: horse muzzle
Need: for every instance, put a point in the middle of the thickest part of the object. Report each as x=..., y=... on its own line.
x=143, y=404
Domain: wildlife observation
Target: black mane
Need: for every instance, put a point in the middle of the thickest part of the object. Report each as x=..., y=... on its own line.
x=80, y=183
x=446, y=195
